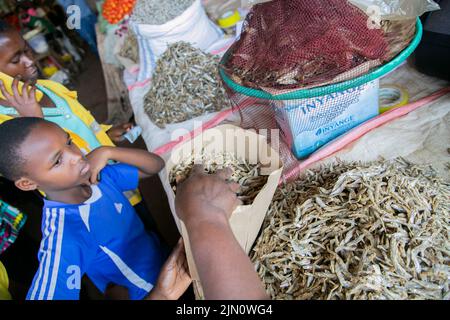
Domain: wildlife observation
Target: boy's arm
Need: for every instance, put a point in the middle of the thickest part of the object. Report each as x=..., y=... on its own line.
x=146, y=162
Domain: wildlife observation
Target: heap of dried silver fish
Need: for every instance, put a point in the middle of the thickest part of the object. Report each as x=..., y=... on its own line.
x=246, y=174
x=157, y=12
x=353, y=231
x=185, y=85
x=130, y=47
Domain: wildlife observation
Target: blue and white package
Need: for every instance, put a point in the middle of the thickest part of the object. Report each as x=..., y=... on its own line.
x=308, y=124
x=133, y=134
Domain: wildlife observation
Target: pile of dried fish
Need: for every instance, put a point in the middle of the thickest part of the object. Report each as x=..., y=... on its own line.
x=246, y=174
x=157, y=12
x=353, y=231
x=130, y=47
x=185, y=85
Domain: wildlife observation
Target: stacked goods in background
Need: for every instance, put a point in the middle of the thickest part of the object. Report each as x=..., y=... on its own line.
x=185, y=85
x=318, y=73
x=358, y=231
x=115, y=11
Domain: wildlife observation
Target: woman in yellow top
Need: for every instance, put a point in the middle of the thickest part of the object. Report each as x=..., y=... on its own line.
x=56, y=103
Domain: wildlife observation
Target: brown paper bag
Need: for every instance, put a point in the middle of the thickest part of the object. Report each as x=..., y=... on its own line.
x=246, y=221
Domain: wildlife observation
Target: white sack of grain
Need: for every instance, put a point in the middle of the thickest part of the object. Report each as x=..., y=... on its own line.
x=246, y=220
x=192, y=26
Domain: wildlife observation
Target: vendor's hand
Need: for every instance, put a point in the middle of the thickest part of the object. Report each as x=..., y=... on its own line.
x=174, y=278
x=98, y=159
x=116, y=133
x=25, y=103
x=204, y=197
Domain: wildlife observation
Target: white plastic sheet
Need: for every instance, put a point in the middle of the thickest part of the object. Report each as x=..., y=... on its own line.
x=396, y=9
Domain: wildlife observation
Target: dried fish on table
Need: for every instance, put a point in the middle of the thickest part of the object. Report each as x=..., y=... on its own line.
x=130, y=47
x=358, y=231
x=185, y=85
x=157, y=12
x=247, y=175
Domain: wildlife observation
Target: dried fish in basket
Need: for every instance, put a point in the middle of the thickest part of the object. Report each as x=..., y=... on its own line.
x=358, y=231
x=185, y=85
x=247, y=175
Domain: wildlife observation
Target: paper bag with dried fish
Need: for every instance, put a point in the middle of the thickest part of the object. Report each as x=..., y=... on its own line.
x=246, y=174
x=223, y=145
x=354, y=231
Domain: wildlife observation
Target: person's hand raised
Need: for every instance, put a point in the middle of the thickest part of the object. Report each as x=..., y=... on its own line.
x=25, y=103
x=204, y=197
x=98, y=159
x=116, y=133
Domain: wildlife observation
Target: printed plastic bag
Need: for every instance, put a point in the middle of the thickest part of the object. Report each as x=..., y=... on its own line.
x=396, y=9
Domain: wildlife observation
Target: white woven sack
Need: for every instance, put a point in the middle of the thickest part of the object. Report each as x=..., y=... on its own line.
x=192, y=26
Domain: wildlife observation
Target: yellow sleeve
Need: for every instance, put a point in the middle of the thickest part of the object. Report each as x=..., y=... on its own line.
x=106, y=127
x=4, y=118
x=4, y=284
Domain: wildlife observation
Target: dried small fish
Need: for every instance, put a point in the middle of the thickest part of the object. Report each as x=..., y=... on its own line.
x=246, y=174
x=130, y=47
x=185, y=85
x=157, y=12
x=358, y=231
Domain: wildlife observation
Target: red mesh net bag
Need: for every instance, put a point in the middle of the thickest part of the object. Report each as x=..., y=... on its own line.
x=289, y=44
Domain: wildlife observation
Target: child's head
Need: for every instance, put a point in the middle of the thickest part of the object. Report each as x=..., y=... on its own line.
x=16, y=57
x=35, y=153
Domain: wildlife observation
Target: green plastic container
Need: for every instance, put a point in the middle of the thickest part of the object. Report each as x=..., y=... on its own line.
x=310, y=118
x=320, y=91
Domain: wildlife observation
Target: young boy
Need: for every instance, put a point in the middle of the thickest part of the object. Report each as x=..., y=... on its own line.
x=88, y=225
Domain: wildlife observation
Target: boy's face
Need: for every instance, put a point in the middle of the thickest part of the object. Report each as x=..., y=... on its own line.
x=16, y=58
x=51, y=161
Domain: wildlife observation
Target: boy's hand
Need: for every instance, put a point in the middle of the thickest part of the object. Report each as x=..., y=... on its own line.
x=98, y=159
x=204, y=197
x=174, y=277
x=116, y=133
x=25, y=103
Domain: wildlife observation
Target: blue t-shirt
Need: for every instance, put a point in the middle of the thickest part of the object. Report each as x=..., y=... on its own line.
x=102, y=237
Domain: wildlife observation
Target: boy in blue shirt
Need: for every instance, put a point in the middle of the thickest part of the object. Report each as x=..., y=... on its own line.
x=88, y=225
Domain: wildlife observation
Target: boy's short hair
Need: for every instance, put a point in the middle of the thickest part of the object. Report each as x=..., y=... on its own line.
x=13, y=133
